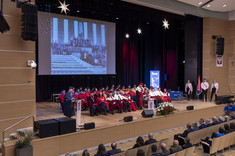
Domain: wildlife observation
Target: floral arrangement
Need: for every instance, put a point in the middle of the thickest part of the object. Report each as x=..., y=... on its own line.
x=165, y=108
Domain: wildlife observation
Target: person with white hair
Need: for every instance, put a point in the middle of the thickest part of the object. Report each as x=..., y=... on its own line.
x=164, y=149
x=221, y=119
x=214, y=120
x=151, y=139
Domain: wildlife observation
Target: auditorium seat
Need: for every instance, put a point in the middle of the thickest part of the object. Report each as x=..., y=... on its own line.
x=214, y=145
x=190, y=151
x=150, y=150
x=166, y=141
x=131, y=152
x=180, y=153
x=145, y=148
x=120, y=154
x=173, y=154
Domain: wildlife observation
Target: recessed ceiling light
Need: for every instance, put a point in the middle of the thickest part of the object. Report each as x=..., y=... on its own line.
x=117, y=18
x=78, y=11
x=224, y=5
x=200, y=3
x=208, y=5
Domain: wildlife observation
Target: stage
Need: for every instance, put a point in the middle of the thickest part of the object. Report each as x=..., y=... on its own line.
x=49, y=110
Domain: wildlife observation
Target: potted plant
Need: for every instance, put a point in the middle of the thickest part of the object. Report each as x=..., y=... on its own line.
x=24, y=147
x=165, y=108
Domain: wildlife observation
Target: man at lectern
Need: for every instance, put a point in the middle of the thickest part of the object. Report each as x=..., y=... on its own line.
x=69, y=103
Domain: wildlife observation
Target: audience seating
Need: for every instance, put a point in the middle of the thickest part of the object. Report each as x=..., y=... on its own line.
x=131, y=152
x=172, y=154
x=189, y=151
x=120, y=154
x=218, y=144
x=196, y=136
x=149, y=149
x=180, y=153
x=166, y=141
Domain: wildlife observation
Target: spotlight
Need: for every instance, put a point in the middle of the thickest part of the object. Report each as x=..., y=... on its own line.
x=139, y=31
x=200, y=3
x=78, y=11
x=224, y=5
x=117, y=18
x=127, y=35
x=4, y=27
x=208, y=5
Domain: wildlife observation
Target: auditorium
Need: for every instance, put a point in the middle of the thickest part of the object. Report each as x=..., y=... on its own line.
x=117, y=77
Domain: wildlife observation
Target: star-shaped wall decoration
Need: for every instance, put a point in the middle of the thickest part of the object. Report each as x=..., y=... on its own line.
x=64, y=7
x=165, y=24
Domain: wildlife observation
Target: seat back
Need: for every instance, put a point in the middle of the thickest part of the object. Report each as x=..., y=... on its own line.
x=166, y=141
x=189, y=151
x=180, y=153
x=222, y=142
x=120, y=154
x=150, y=150
x=233, y=139
x=215, y=145
x=131, y=152
x=228, y=140
x=144, y=148
x=173, y=154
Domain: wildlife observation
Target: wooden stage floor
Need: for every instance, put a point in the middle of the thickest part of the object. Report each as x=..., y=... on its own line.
x=49, y=110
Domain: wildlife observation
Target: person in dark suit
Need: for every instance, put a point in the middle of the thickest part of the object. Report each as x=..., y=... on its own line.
x=187, y=143
x=202, y=124
x=185, y=134
x=114, y=149
x=139, y=142
x=69, y=103
x=195, y=127
x=154, y=151
x=164, y=149
x=232, y=127
x=101, y=150
x=214, y=120
x=151, y=140
x=208, y=123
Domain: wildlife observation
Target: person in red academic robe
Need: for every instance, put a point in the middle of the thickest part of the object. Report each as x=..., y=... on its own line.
x=167, y=95
x=112, y=103
x=119, y=99
x=103, y=103
x=130, y=102
x=160, y=95
x=61, y=99
x=84, y=100
x=88, y=93
x=140, y=91
x=94, y=107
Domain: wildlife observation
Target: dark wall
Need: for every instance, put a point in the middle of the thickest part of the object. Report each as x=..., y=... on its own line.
x=155, y=49
x=193, y=49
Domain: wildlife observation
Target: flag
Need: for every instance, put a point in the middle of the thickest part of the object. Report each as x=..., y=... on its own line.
x=199, y=88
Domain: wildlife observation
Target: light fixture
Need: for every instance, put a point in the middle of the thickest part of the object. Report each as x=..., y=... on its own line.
x=117, y=18
x=208, y=5
x=139, y=31
x=200, y=3
x=165, y=24
x=64, y=7
x=224, y=5
x=78, y=11
x=31, y=63
x=127, y=35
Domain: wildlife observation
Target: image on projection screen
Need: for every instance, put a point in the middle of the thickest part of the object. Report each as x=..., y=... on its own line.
x=72, y=46
x=78, y=47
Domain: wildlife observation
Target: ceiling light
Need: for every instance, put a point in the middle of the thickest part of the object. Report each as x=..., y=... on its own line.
x=78, y=11
x=200, y=3
x=117, y=18
x=127, y=35
x=224, y=5
x=139, y=31
x=208, y=5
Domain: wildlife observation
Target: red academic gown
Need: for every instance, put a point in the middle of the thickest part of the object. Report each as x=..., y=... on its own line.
x=113, y=104
x=84, y=100
x=88, y=94
x=61, y=97
x=101, y=100
x=141, y=97
x=132, y=104
x=167, y=98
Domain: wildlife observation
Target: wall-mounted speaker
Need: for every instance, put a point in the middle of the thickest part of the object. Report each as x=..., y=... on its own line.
x=220, y=46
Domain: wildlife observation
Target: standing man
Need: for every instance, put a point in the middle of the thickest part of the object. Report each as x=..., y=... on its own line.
x=188, y=89
x=140, y=91
x=214, y=89
x=205, y=86
x=69, y=103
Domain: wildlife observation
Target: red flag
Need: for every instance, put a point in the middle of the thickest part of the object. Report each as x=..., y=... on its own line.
x=199, y=88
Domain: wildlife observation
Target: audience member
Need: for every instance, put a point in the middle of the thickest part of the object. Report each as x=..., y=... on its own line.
x=232, y=116
x=164, y=149
x=140, y=152
x=232, y=127
x=85, y=153
x=221, y=132
x=154, y=151
x=208, y=140
x=221, y=120
x=226, y=118
x=214, y=120
x=101, y=150
x=114, y=149
x=194, y=126
x=187, y=143
x=208, y=123
x=139, y=142
x=226, y=128
x=151, y=140
x=176, y=147
x=202, y=125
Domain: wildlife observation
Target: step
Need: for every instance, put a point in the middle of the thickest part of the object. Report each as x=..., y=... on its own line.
x=22, y=131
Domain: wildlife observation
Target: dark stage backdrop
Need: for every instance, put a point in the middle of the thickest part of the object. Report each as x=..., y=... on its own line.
x=155, y=49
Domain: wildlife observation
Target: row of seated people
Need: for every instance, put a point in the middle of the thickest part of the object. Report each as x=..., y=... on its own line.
x=221, y=131
x=104, y=101
x=139, y=143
